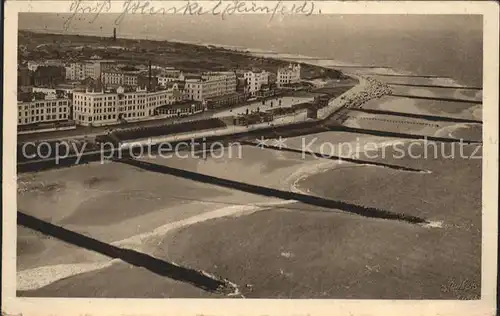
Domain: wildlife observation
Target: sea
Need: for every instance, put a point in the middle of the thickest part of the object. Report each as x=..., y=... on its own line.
x=441, y=45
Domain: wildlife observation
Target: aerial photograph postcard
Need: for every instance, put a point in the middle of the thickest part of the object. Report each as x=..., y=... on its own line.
x=243, y=156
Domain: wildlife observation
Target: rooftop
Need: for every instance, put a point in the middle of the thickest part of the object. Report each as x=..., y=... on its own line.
x=169, y=75
x=179, y=83
x=126, y=69
x=192, y=76
x=36, y=96
x=100, y=61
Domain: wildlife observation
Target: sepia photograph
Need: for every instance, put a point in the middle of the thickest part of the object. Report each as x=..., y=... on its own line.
x=250, y=150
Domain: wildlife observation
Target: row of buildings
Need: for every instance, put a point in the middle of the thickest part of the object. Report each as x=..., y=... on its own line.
x=118, y=94
x=103, y=107
x=54, y=72
x=39, y=107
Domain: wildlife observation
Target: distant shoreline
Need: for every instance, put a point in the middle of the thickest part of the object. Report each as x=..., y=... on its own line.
x=260, y=52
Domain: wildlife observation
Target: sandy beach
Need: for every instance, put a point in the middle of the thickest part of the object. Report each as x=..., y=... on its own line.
x=212, y=228
x=427, y=107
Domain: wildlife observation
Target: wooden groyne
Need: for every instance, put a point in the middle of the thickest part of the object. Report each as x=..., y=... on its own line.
x=408, y=75
x=433, y=86
x=340, y=128
x=418, y=116
x=436, y=98
x=339, y=158
x=271, y=192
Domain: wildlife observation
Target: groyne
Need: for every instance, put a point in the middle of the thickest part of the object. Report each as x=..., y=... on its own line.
x=432, y=86
x=436, y=98
x=408, y=75
x=418, y=116
x=339, y=128
x=342, y=158
x=271, y=192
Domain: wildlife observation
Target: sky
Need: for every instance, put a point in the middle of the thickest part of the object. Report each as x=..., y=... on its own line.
x=238, y=29
x=427, y=44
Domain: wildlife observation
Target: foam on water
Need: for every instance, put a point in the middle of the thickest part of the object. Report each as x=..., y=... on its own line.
x=39, y=277
x=447, y=131
x=42, y=276
x=433, y=224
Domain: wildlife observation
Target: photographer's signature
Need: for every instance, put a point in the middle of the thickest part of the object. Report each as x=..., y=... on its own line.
x=466, y=286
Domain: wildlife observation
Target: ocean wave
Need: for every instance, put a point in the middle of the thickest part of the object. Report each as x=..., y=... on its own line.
x=32, y=279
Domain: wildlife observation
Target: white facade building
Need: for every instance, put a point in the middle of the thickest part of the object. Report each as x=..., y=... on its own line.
x=210, y=85
x=255, y=80
x=116, y=77
x=69, y=72
x=106, y=108
x=91, y=68
x=194, y=89
x=165, y=78
x=218, y=83
x=50, y=109
x=288, y=75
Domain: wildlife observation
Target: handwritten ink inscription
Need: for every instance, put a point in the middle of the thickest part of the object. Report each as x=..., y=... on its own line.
x=193, y=8
x=85, y=7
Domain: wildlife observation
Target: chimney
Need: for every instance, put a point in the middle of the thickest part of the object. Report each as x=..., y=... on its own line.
x=149, y=76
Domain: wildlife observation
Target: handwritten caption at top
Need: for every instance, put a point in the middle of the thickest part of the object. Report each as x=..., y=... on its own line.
x=192, y=8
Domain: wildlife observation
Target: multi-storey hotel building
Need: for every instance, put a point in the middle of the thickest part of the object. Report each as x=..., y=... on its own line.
x=48, y=108
x=166, y=77
x=106, y=108
x=210, y=85
x=288, y=75
x=218, y=83
x=193, y=88
x=91, y=68
x=255, y=80
x=116, y=77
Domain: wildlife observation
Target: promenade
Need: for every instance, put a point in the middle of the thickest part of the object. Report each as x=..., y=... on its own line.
x=365, y=90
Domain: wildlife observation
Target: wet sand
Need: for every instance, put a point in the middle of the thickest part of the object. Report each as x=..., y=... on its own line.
x=322, y=253
x=268, y=247
x=289, y=254
x=424, y=127
x=139, y=203
x=427, y=107
x=108, y=202
x=460, y=94
x=417, y=80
